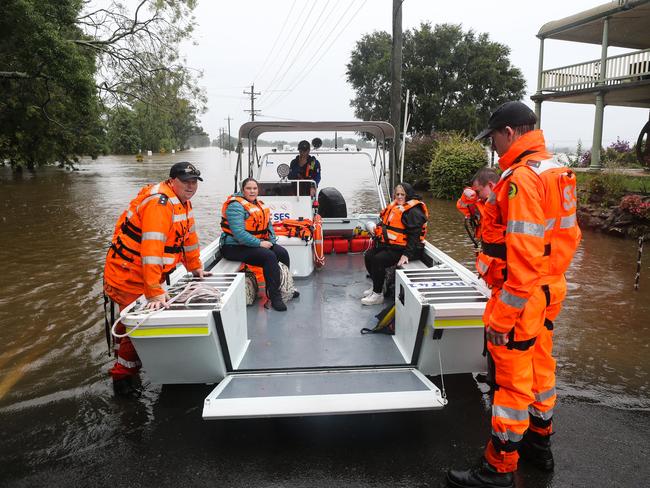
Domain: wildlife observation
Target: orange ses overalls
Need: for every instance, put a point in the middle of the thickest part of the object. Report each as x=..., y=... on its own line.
x=536, y=202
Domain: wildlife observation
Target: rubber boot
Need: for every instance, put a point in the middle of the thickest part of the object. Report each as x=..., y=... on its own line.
x=481, y=476
x=126, y=387
x=277, y=303
x=536, y=449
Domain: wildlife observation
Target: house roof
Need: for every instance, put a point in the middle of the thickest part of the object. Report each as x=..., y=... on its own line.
x=628, y=25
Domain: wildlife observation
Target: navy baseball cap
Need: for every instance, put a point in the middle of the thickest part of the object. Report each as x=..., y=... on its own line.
x=510, y=114
x=185, y=171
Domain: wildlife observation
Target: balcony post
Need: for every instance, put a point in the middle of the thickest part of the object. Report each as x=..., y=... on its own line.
x=603, y=52
x=598, y=133
x=540, y=69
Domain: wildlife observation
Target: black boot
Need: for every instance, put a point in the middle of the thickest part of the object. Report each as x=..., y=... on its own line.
x=126, y=388
x=278, y=304
x=481, y=476
x=536, y=449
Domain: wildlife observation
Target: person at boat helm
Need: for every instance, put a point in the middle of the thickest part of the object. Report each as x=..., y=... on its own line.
x=248, y=236
x=472, y=201
x=536, y=201
x=399, y=238
x=151, y=237
x=305, y=167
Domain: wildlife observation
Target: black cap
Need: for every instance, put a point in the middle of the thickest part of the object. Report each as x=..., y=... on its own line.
x=510, y=114
x=185, y=171
x=304, y=146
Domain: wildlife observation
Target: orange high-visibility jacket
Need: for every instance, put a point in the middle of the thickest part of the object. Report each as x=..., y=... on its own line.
x=258, y=222
x=535, y=200
x=468, y=204
x=151, y=237
x=391, y=230
x=491, y=261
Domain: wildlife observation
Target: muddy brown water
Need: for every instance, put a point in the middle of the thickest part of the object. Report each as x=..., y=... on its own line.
x=55, y=395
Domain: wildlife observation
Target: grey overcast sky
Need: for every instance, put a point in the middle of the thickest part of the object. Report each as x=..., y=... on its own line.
x=295, y=52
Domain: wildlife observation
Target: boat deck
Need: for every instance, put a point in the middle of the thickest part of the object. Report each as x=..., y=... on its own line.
x=321, y=328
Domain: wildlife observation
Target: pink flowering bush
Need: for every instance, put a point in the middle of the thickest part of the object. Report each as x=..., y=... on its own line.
x=634, y=204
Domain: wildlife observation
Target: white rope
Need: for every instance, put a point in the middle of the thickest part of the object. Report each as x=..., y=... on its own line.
x=190, y=292
x=442, y=376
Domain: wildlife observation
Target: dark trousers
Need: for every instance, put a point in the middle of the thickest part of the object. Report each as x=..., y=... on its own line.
x=377, y=260
x=266, y=258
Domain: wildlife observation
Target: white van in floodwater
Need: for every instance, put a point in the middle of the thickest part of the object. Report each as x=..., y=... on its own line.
x=312, y=359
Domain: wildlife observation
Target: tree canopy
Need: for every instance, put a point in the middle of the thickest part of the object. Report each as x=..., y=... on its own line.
x=455, y=77
x=76, y=78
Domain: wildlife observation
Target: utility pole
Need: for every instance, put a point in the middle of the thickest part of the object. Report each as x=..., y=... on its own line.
x=252, y=93
x=229, y=146
x=396, y=87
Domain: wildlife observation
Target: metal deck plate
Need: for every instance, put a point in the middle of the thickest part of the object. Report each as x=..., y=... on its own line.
x=323, y=392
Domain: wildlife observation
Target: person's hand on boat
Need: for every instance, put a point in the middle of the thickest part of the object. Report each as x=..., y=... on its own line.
x=157, y=302
x=496, y=338
x=402, y=261
x=266, y=244
x=201, y=273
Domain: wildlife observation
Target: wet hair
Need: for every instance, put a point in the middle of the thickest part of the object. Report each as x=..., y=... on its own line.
x=408, y=189
x=485, y=175
x=247, y=181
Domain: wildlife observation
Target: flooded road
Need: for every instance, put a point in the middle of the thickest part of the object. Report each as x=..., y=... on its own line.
x=60, y=421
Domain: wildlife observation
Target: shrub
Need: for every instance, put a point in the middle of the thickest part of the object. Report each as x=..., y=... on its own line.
x=455, y=160
x=606, y=188
x=417, y=158
x=634, y=204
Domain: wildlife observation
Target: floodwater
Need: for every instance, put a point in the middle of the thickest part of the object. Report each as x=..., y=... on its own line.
x=60, y=421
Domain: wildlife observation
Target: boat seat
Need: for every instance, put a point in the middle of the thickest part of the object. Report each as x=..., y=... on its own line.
x=226, y=266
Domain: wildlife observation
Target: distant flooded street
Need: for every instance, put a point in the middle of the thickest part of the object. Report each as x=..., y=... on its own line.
x=57, y=404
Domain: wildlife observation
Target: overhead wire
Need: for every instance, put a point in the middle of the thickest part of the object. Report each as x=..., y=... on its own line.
x=321, y=48
x=295, y=39
x=277, y=38
x=315, y=63
x=311, y=36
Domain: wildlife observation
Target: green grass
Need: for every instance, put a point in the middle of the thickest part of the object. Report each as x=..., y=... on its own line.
x=635, y=184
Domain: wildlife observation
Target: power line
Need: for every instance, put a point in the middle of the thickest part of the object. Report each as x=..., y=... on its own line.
x=325, y=51
x=280, y=32
x=308, y=39
x=298, y=31
x=322, y=46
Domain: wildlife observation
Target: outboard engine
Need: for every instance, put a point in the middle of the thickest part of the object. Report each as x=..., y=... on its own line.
x=331, y=203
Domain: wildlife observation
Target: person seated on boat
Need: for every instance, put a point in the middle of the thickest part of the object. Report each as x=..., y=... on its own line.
x=399, y=238
x=248, y=237
x=153, y=235
x=305, y=167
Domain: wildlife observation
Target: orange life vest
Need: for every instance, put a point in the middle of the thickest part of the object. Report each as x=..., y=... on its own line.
x=561, y=232
x=151, y=237
x=257, y=223
x=301, y=228
x=535, y=200
x=491, y=260
x=391, y=230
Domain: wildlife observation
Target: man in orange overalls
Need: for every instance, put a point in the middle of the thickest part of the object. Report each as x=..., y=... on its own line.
x=535, y=200
x=151, y=237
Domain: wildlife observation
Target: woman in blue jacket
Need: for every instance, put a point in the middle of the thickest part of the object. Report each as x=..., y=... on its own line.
x=248, y=237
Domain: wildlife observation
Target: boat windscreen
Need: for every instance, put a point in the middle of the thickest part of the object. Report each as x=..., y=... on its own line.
x=285, y=189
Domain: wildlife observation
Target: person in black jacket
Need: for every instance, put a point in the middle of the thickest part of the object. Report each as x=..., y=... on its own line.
x=304, y=166
x=399, y=238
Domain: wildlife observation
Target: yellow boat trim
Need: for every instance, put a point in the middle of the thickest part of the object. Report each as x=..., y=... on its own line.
x=170, y=331
x=466, y=322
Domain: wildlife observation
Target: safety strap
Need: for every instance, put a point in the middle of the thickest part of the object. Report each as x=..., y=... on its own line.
x=519, y=345
x=107, y=324
x=495, y=250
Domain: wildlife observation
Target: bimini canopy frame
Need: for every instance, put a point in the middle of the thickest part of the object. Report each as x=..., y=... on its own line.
x=381, y=131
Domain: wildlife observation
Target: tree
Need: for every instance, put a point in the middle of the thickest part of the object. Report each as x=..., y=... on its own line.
x=455, y=78
x=49, y=110
x=64, y=67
